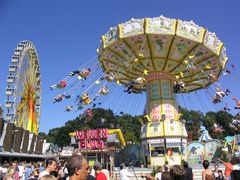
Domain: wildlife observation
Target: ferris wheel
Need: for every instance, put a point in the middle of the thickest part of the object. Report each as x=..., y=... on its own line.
x=23, y=90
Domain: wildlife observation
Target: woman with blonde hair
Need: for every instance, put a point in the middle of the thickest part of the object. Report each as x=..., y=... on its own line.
x=10, y=173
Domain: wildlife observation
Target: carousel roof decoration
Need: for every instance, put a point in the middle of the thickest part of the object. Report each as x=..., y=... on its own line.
x=182, y=49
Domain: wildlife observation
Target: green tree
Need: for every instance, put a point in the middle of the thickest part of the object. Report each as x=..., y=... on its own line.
x=130, y=126
x=193, y=120
x=209, y=121
x=224, y=119
x=42, y=135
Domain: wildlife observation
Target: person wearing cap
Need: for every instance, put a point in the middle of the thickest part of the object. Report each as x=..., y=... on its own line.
x=98, y=171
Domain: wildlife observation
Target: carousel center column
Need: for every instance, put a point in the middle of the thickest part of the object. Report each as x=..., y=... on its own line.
x=161, y=101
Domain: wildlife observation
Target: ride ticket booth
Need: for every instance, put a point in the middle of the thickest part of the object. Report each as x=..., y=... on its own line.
x=98, y=145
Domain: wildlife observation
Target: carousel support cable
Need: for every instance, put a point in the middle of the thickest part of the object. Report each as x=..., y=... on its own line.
x=210, y=99
x=138, y=103
x=116, y=98
x=103, y=99
x=88, y=62
x=91, y=85
x=201, y=102
x=125, y=102
x=122, y=104
x=184, y=102
x=83, y=66
x=224, y=88
x=191, y=102
x=135, y=104
x=97, y=93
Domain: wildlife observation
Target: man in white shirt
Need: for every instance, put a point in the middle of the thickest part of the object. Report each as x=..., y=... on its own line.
x=50, y=166
x=124, y=173
x=21, y=170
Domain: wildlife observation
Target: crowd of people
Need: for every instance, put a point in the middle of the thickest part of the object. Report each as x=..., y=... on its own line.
x=184, y=172
x=77, y=168
x=74, y=168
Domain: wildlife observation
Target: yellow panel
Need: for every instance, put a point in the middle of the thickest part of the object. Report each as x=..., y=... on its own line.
x=172, y=128
x=119, y=133
x=155, y=129
x=190, y=30
x=157, y=161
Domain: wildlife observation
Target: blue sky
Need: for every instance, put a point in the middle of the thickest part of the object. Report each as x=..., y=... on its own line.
x=67, y=34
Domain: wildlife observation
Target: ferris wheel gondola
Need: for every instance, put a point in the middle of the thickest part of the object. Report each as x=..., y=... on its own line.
x=24, y=88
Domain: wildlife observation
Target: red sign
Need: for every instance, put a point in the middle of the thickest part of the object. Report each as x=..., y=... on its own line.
x=92, y=139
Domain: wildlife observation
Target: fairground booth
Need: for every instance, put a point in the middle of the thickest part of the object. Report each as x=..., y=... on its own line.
x=164, y=141
x=98, y=145
x=19, y=144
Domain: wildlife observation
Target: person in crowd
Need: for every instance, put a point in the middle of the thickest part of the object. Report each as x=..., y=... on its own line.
x=158, y=175
x=21, y=170
x=215, y=171
x=234, y=175
x=34, y=175
x=77, y=167
x=177, y=172
x=60, y=169
x=207, y=174
x=50, y=166
x=16, y=173
x=124, y=173
x=62, y=84
x=10, y=173
x=90, y=176
x=148, y=177
x=58, y=173
x=98, y=171
x=188, y=174
x=47, y=177
x=166, y=175
x=28, y=171
x=166, y=166
x=228, y=167
x=220, y=176
x=41, y=167
x=106, y=172
x=5, y=168
x=55, y=174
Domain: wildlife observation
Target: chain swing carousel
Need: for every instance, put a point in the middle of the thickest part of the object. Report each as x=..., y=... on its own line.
x=162, y=57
